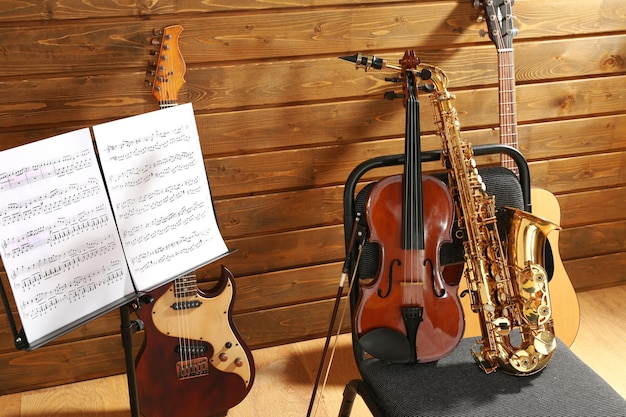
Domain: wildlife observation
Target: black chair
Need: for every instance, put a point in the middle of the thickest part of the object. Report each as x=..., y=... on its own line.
x=455, y=385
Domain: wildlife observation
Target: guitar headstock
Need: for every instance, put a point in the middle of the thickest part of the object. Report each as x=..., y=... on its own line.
x=499, y=16
x=169, y=67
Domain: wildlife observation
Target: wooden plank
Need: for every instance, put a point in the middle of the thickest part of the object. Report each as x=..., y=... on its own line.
x=86, y=359
x=581, y=172
x=304, y=79
x=107, y=324
x=40, y=10
x=215, y=37
x=325, y=123
x=571, y=137
x=58, y=364
x=271, y=213
x=593, y=240
x=595, y=206
x=325, y=166
x=597, y=272
x=281, y=251
x=288, y=324
x=287, y=287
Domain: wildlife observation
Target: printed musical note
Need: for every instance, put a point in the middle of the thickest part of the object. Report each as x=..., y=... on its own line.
x=57, y=231
x=160, y=194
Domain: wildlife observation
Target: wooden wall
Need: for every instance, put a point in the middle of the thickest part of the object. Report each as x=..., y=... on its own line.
x=282, y=122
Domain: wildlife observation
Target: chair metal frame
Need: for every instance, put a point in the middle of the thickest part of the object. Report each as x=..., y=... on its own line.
x=358, y=386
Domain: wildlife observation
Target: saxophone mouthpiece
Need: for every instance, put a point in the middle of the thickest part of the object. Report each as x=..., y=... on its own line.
x=366, y=61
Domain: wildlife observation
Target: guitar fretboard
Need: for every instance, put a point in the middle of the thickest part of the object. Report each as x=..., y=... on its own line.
x=507, y=99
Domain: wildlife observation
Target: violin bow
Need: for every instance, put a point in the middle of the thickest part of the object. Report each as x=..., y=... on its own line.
x=357, y=237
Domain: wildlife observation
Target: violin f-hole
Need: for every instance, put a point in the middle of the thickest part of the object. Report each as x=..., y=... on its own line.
x=438, y=288
x=390, y=281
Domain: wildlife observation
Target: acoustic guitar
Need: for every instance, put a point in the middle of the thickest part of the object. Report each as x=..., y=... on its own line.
x=193, y=361
x=501, y=30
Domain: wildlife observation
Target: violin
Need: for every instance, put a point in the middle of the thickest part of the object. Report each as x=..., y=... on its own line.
x=409, y=313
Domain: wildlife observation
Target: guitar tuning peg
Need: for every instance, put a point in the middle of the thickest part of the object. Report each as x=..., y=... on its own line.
x=148, y=83
x=157, y=32
x=482, y=33
x=155, y=41
x=477, y=3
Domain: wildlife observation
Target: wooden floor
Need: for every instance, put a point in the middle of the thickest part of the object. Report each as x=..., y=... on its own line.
x=285, y=374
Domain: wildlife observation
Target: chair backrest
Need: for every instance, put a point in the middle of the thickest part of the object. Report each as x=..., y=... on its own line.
x=508, y=189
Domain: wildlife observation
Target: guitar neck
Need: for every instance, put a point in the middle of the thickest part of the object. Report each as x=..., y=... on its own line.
x=507, y=108
x=185, y=286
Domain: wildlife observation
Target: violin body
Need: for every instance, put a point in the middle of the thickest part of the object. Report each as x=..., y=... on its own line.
x=200, y=368
x=409, y=282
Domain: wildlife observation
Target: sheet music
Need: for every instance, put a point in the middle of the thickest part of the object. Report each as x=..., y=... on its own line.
x=58, y=239
x=154, y=170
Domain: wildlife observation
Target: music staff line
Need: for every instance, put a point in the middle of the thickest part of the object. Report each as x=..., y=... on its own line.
x=154, y=142
x=173, y=189
x=173, y=220
x=71, y=291
x=52, y=234
x=172, y=250
x=38, y=272
x=167, y=171
x=58, y=167
x=49, y=202
x=168, y=160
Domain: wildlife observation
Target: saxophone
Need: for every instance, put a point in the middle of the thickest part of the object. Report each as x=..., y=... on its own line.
x=507, y=284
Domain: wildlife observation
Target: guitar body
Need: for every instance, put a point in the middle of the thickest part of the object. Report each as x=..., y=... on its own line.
x=193, y=361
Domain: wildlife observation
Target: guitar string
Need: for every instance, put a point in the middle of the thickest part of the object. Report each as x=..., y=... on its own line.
x=165, y=68
x=508, y=135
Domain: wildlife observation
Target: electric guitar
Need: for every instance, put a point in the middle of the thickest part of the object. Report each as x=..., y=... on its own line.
x=565, y=309
x=193, y=361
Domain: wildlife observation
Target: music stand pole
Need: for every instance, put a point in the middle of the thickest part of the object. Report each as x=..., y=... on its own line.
x=127, y=328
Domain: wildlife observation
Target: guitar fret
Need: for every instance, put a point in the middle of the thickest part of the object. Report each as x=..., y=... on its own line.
x=185, y=286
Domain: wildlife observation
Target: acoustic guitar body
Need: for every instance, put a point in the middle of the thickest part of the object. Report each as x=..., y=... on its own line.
x=193, y=361
x=563, y=299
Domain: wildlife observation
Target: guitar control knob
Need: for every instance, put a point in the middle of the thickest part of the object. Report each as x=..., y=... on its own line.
x=223, y=357
x=238, y=363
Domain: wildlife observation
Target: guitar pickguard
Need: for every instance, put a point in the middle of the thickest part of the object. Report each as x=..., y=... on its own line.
x=204, y=319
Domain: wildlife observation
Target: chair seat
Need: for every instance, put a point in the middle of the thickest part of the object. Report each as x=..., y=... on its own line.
x=455, y=386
